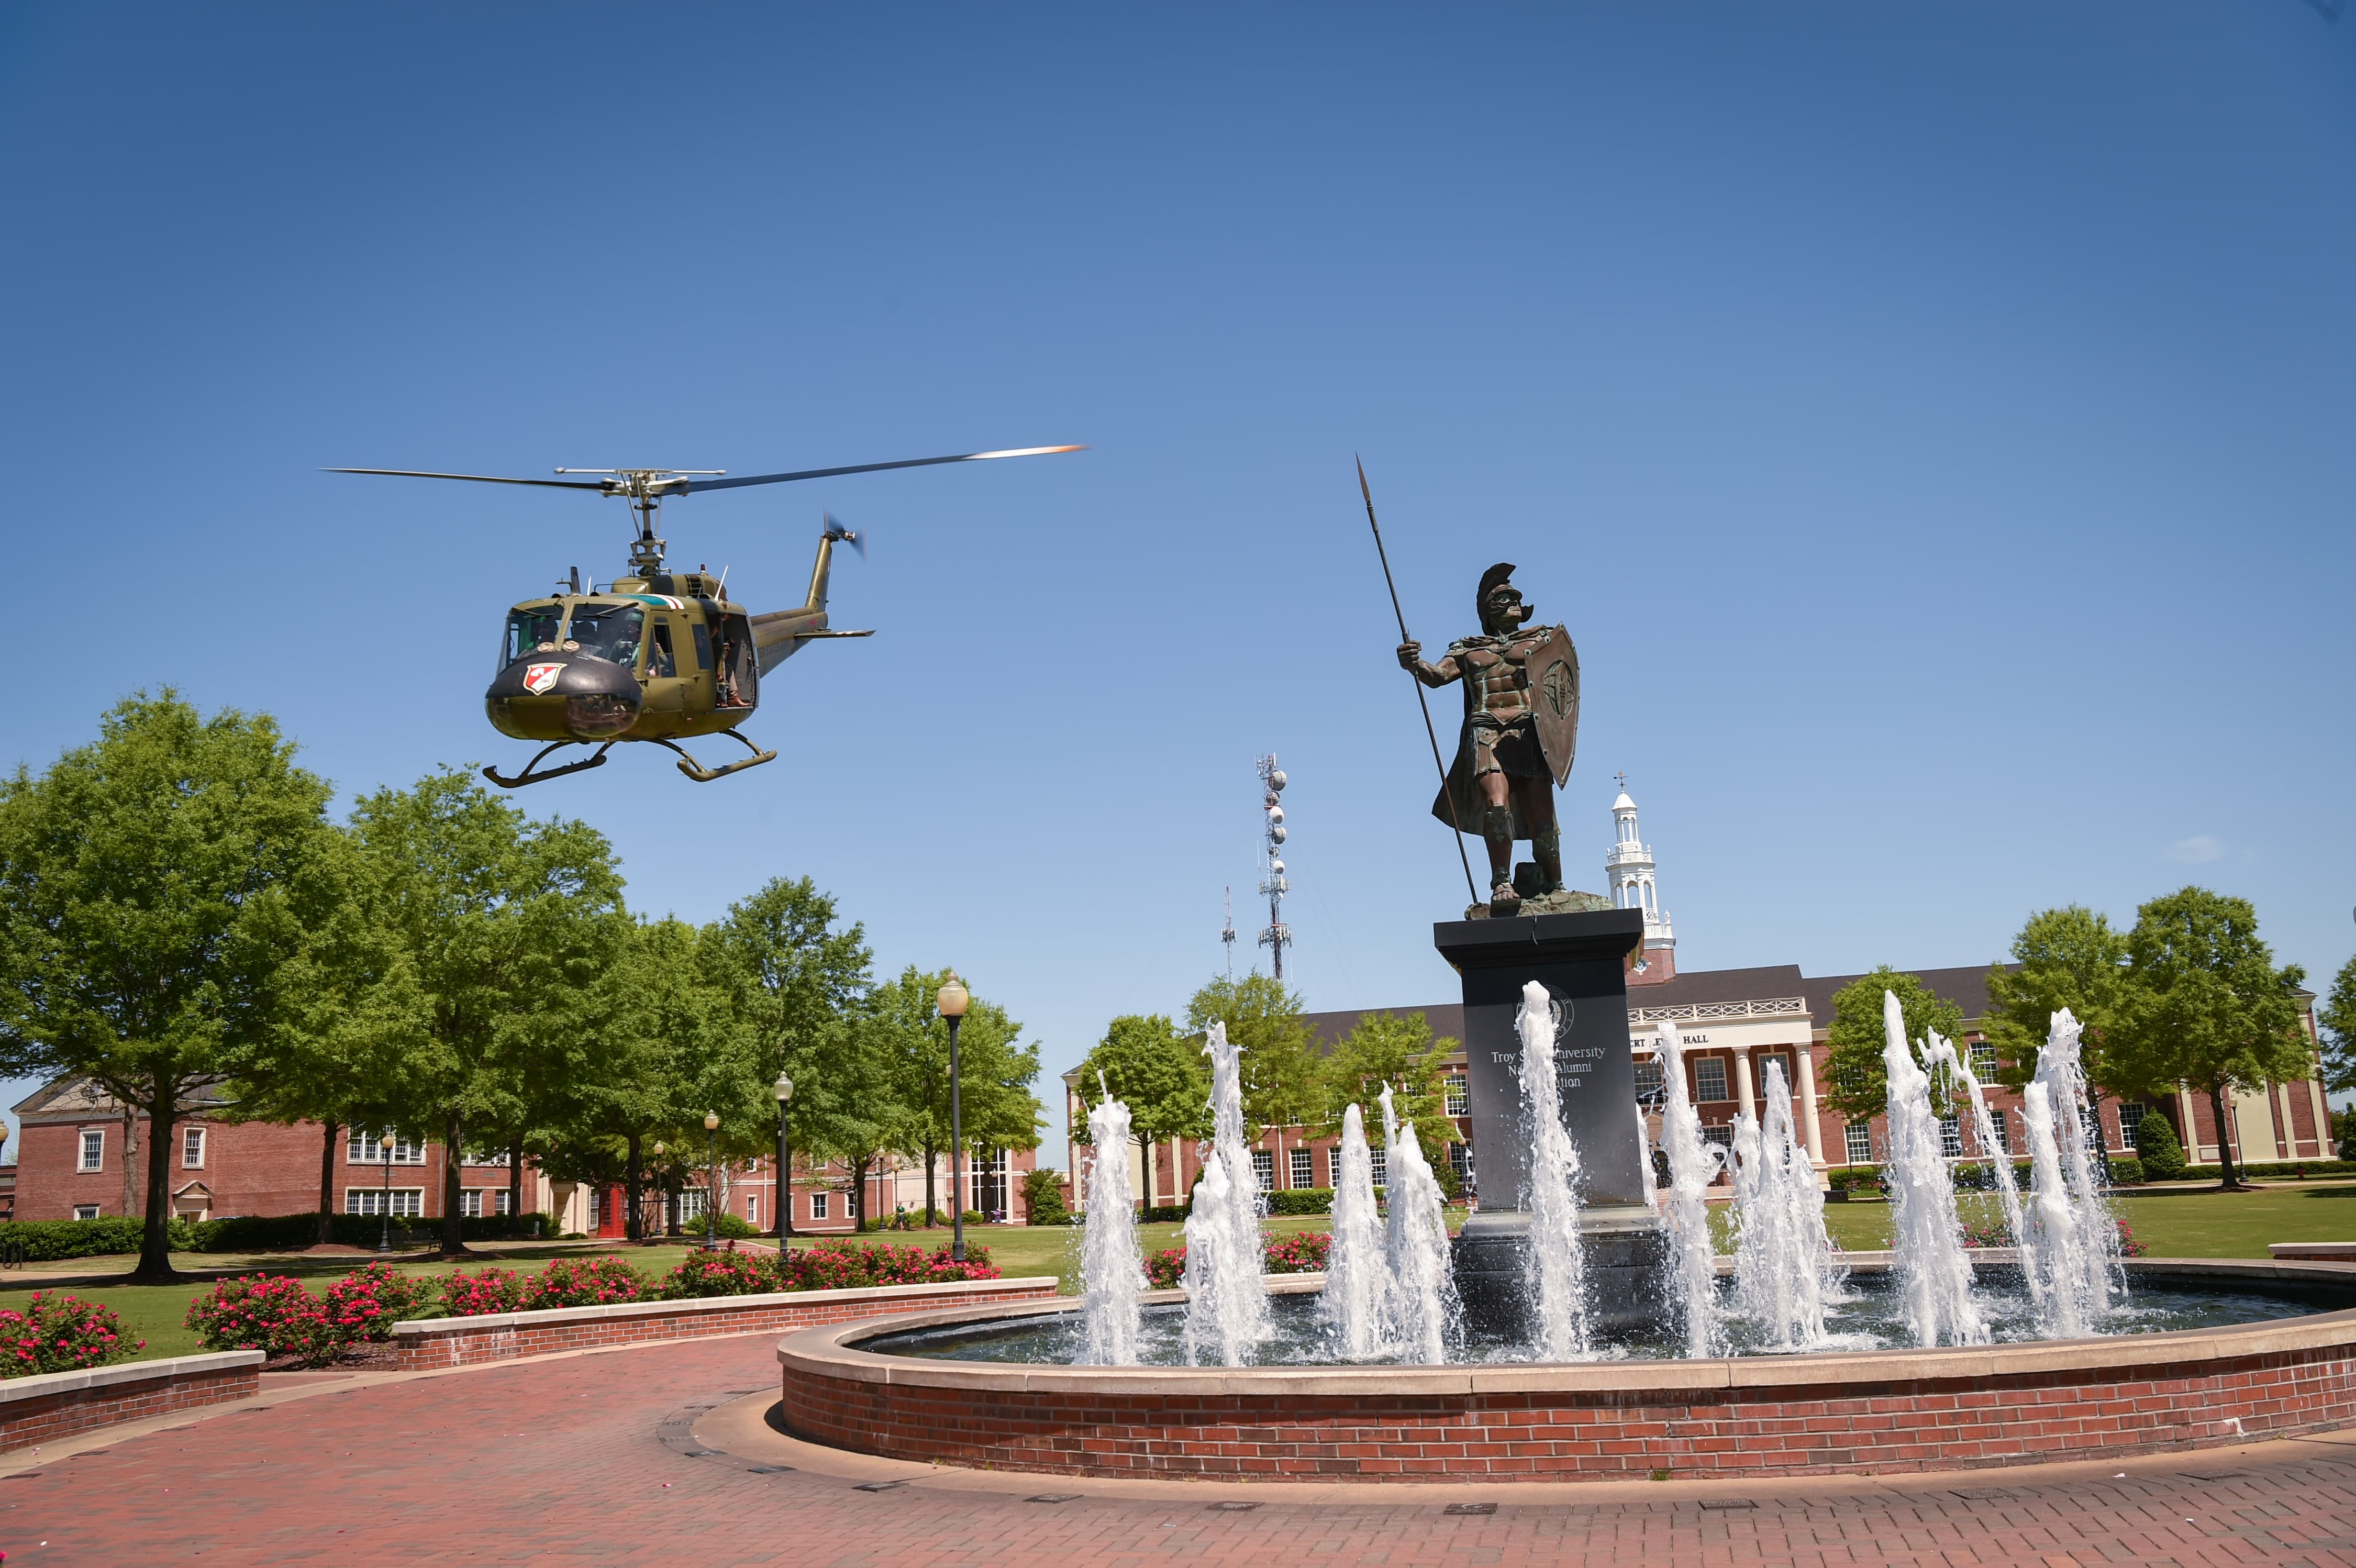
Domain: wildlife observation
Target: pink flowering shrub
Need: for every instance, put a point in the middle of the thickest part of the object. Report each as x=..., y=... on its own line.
x=846, y=1265
x=371, y=1300
x=1303, y=1253
x=584, y=1282
x=482, y=1293
x=59, y=1334
x=274, y=1313
x=722, y=1274
x=1995, y=1235
x=1163, y=1269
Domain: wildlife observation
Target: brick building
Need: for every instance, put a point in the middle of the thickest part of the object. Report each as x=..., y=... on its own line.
x=1732, y=1023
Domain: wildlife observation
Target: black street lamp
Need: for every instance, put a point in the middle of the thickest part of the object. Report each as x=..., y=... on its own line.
x=952, y=1001
x=384, y=1205
x=784, y=1090
x=710, y=1180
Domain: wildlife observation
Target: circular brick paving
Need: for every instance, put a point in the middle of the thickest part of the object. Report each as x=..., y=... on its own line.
x=662, y=1455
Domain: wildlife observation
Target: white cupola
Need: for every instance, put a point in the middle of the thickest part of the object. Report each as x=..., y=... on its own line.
x=1629, y=867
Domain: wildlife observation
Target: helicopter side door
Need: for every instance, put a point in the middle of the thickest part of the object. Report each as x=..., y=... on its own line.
x=737, y=663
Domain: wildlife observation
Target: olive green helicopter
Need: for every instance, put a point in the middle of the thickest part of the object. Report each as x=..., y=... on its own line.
x=655, y=655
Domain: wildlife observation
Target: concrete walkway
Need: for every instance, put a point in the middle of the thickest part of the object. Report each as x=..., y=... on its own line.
x=662, y=1454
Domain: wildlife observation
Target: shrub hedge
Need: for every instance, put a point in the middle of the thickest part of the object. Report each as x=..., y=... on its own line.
x=1302, y=1201
x=113, y=1235
x=2274, y=1170
x=59, y=1334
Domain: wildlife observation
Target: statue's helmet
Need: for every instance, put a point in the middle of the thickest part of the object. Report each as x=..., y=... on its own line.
x=1494, y=578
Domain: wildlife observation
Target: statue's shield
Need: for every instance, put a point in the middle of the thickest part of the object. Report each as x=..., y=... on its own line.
x=1554, y=701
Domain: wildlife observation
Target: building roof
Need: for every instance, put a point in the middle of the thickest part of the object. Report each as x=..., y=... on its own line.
x=1703, y=986
x=74, y=1097
x=1965, y=987
x=1446, y=1018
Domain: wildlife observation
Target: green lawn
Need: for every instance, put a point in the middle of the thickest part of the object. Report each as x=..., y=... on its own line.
x=2199, y=1224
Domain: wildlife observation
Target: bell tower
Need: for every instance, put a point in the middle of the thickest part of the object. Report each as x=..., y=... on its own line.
x=1630, y=868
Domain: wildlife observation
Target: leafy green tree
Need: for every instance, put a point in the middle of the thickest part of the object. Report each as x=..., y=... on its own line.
x=2338, y=1018
x=995, y=1072
x=2069, y=957
x=1278, y=1061
x=1399, y=1050
x=1149, y=1066
x=152, y=885
x=1860, y=1083
x=353, y=1021
x=2156, y=1147
x=508, y=925
x=2206, y=1007
x=795, y=978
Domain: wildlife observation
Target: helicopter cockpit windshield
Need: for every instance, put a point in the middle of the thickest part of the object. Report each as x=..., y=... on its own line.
x=529, y=630
x=606, y=631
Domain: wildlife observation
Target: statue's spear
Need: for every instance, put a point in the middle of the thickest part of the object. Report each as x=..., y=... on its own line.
x=1421, y=701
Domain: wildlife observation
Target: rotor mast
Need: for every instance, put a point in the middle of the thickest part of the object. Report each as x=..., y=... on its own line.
x=645, y=489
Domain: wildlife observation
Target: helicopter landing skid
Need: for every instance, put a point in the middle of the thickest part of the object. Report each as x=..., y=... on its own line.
x=702, y=775
x=528, y=777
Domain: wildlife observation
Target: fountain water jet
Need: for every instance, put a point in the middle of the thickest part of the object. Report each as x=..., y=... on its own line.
x=1555, y=1267
x=1934, y=1273
x=1784, y=1267
x=1357, y=1301
x=2098, y=1276
x=1226, y=1297
x=1423, y=1287
x=1999, y=1161
x=1112, y=1272
x=1693, y=1165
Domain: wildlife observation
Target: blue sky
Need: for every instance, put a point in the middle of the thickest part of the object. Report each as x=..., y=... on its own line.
x=1934, y=424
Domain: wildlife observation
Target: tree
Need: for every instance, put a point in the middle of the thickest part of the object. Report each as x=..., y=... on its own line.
x=2338, y=1019
x=1145, y=1063
x=152, y=886
x=2069, y=958
x=1278, y=1061
x=796, y=980
x=353, y=1021
x=1860, y=1086
x=995, y=1072
x=508, y=925
x=1397, y=1050
x=2206, y=1007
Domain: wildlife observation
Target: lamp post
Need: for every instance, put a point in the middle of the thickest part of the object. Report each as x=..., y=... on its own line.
x=710, y=1180
x=661, y=1149
x=384, y=1205
x=952, y=1001
x=784, y=1090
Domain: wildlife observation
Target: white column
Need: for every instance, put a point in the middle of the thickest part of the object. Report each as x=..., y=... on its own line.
x=1815, y=1134
x=2289, y=1127
x=1743, y=1099
x=2324, y=1148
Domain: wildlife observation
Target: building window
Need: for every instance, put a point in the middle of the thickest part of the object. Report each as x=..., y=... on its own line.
x=470, y=1203
x=692, y=1202
x=1722, y=1136
x=1951, y=1136
x=1460, y=1160
x=1263, y=1168
x=2131, y=1124
x=1859, y=1138
x=94, y=1153
x=752, y=1209
x=85, y=1211
x=2003, y=1132
x=486, y=1158
x=1983, y=1060
x=2090, y=1125
x=1709, y=1080
x=1781, y=1061
x=369, y=1149
x=1652, y=1081
x=1382, y=1165
x=1453, y=1090
x=818, y=1206
x=401, y=1202
x=503, y=1202
x=192, y=1148
x=1304, y=1167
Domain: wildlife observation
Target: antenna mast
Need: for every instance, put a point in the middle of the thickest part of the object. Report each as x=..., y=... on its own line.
x=1227, y=934
x=1278, y=936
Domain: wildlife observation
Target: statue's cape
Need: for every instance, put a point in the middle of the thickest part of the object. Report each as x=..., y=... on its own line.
x=1528, y=750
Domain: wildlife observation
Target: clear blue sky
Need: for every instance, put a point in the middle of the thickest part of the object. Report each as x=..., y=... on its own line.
x=1935, y=424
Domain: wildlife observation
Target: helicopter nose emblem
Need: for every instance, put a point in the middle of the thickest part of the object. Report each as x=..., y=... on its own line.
x=541, y=677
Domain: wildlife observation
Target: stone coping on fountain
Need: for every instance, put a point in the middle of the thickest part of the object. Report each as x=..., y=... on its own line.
x=1863, y=1410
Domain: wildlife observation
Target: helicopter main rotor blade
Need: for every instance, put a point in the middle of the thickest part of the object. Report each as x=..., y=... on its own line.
x=479, y=478
x=872, y=468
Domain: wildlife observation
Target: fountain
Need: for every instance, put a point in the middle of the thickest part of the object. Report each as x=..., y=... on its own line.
x=1226, y=1299
x=1112, y=1273
x=1934, y=1274
x=1357, y=1301
x=1784, y=1263
x=1422, y=1288
x=2096, y=1277
x=1553, y=1270
x=1693, y=1165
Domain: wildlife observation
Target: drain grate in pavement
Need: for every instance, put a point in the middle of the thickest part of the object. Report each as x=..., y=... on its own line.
x=1053, y=1497
x=2217, y=1475
x=1231, y=1508
x=1727, y=1503
x=1984, y=1494
x=1470, y=1507
x=768, y=1469
x=879, y=1485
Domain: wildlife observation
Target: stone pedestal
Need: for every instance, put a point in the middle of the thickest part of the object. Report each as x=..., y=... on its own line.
x=1579, y=958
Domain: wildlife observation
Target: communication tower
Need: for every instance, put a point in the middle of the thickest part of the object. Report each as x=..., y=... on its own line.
x=1227, y=934
x=1278, y=936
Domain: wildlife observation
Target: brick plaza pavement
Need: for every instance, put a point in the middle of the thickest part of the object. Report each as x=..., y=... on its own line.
x=610, y=1458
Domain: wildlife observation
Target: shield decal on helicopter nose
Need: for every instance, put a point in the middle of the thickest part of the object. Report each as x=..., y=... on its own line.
x=541, y=677
x=1554, y=701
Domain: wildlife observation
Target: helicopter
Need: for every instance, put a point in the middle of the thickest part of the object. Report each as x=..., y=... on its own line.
x=655, y=655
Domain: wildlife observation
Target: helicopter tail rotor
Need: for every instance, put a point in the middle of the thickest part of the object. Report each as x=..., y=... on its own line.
x=841, y=535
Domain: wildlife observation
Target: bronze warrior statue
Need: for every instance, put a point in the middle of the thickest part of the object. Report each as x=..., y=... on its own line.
x=1521, y=728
